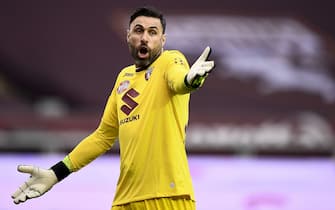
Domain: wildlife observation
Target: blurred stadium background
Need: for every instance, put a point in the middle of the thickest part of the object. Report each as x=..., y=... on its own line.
x=261, y=132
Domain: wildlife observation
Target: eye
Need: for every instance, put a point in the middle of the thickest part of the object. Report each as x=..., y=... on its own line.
x=138, y=30
x=153, y=32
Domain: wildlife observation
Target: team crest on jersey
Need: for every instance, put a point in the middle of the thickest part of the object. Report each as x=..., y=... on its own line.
x=123, y=86
x=148, y=73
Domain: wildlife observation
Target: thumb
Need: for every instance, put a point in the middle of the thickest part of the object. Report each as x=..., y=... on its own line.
x=25, y=169
x=205, y=54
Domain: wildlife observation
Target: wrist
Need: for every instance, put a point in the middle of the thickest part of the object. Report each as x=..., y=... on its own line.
x=196, y=82
x=60, y=170
x=186, y=82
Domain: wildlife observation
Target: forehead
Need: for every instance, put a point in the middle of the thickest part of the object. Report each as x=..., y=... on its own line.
x=147, y=22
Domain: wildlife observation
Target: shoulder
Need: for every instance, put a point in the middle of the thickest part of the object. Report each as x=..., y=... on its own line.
x=173, y=53
x=127, y=70
x=174, y=56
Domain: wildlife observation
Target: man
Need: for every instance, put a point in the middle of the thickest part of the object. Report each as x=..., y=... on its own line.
x=148, y=112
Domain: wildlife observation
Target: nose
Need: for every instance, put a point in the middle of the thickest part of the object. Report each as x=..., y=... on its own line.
x=145, y=37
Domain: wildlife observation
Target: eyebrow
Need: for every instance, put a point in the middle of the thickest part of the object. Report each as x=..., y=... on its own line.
x=151, y=27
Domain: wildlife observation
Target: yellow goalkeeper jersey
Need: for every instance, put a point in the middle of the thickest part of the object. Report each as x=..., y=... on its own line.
x=147, y=112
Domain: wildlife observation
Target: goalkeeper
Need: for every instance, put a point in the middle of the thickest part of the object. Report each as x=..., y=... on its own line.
x=147, y=111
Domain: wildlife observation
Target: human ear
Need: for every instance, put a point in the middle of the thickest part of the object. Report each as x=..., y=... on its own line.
x=128, y=35
x=163, y=39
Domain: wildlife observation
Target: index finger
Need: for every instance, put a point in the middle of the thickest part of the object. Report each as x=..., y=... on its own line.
x=205, y=54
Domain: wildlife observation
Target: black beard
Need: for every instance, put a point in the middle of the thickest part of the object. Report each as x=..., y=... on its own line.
x=142, y=64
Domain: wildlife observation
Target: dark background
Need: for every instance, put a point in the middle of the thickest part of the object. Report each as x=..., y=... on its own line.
x=69, y=51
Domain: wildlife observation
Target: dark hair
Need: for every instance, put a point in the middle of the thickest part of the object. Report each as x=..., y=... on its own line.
x=148, y=12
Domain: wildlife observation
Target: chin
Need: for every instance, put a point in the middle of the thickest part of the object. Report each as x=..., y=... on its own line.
x=142, y=63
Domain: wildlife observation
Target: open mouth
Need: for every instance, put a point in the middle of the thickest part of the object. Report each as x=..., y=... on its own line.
x=143, y=52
